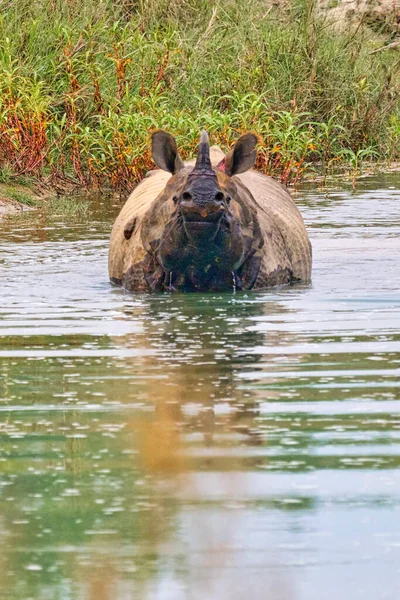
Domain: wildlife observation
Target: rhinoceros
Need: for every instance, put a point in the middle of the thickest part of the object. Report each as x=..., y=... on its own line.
x=211, y=224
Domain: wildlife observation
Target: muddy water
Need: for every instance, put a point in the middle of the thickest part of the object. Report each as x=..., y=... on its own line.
x=193, y=446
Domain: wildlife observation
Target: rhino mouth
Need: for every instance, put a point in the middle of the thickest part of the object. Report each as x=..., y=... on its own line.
x=195, y=217
x=204, y=223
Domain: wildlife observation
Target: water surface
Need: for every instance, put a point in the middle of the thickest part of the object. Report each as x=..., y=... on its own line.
x=202, y=446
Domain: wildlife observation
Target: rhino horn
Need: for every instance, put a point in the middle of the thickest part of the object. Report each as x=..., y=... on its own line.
x=203, y=162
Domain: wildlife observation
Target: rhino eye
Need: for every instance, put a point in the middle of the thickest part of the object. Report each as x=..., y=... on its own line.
x=228, y=199
x=219, y=196
x=175, y=199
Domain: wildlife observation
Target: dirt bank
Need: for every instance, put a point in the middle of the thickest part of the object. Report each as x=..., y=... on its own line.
x=9, y=206
x=16, y=198
x=382, y=17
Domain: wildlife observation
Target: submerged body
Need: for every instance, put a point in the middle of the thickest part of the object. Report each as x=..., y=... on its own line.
x=208, y=227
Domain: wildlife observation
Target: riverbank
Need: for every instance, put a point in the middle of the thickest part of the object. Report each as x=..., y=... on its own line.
x=74, y=200
x=82, y=87
x=18, y=198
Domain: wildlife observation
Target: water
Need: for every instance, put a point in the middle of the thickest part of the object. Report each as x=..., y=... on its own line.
x=192, y=446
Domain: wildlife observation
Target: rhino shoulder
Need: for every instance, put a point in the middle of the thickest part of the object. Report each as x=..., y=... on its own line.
x=282, y=225
x=126, y=246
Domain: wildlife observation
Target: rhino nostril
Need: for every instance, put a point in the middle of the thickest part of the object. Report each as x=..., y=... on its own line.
x=219, y=196
x=186, y=196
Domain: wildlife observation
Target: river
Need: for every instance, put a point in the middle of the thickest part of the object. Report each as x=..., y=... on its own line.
x=221, y=446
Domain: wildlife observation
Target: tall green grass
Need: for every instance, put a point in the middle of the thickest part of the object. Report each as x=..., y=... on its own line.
x=83, y=83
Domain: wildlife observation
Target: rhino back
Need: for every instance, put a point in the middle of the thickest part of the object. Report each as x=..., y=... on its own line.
x=287, y=245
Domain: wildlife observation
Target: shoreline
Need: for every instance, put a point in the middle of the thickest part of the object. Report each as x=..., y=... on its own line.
x=21, y=198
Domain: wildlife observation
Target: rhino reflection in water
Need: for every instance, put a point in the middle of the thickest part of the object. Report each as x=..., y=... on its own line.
x=210, y=225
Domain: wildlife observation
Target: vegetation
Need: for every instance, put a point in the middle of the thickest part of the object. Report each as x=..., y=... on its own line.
x=83, y=83
x=17, y=194
x=68, y=207
x=21, y=196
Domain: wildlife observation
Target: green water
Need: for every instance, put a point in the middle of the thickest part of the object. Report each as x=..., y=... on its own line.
x=202, y=447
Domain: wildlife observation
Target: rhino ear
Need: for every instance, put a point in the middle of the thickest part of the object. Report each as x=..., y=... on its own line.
x=243, y=155
x=165, y=152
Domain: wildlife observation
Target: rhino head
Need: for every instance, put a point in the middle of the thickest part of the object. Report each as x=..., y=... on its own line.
x=208, y=226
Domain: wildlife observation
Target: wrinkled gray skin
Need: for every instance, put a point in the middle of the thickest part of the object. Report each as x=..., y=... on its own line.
x=211, y=226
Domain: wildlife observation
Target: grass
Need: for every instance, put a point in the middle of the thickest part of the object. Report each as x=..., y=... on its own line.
x=83, y=84
x=67, y=206
x=22, y=196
